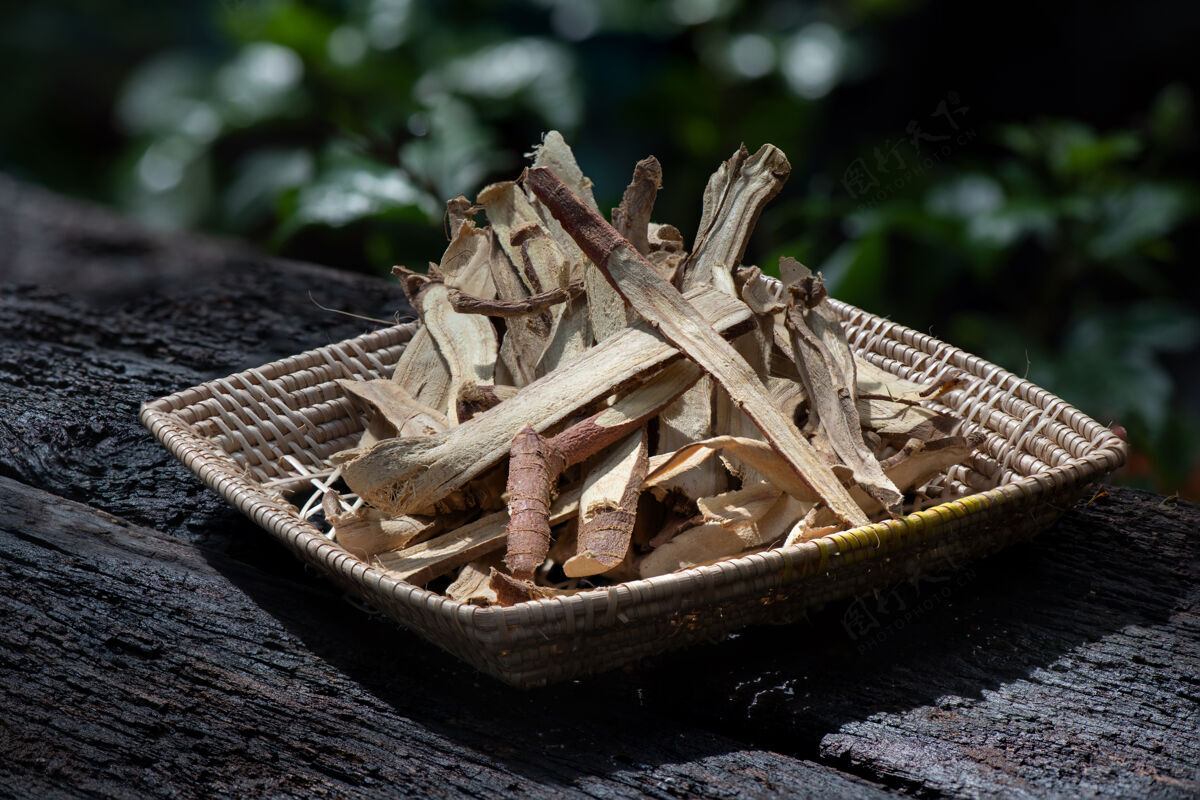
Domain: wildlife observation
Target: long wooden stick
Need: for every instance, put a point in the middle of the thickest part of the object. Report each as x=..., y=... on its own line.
x=680, y=323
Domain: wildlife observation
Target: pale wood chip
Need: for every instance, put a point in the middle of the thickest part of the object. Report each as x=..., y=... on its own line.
x=403, y=414
x=569, y=338
x=758, y=455
x=667, y=249
x=698, y=545
x=632, y=217
x=473, y=584
x=739, y=506
x=826, y=366
x=369, y=531
x=424, y=562
x=733, y=199
x=687, y=420
x=422, y=372
x=466, y=264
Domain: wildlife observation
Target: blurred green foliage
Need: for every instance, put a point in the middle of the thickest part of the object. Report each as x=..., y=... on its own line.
x=1036, y=205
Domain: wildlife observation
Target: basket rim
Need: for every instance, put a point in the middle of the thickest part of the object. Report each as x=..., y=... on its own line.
x=272, y=512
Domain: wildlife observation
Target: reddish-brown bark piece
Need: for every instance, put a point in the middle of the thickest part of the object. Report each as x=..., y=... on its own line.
x=533, y=467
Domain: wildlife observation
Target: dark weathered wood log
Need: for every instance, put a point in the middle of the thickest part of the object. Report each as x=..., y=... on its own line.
x=176, y=650
x=1066, y=666
x=135, y=665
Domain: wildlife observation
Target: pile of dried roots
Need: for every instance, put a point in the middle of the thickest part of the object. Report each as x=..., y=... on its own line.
x=587, y=403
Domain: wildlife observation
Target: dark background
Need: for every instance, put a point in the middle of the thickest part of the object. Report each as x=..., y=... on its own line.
x=1018, y=179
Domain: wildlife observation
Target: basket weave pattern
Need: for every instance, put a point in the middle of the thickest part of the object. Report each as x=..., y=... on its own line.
x=255, y=434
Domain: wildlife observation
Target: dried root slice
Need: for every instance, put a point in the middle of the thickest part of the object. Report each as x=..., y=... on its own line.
x=808, y=529
x=733, y=199
x=919, y=461
x=422, y=372
x=366, y=532
x=394, y=412
x=913, y=466
x=466, y=265
x=681, y=323
x=424, y=562
x=873, y=380
x=569, y=338
x=554, y=154
x=568, y=289
x=765, y=521
x=688, y=419
x=695, y=546
x=539, y=263
x=826, y=365
x=475, y=399
x=509, y=590
x=899, y=421
x=468, y=343
x=739, y=507
x=632, y=217
x=752, y=453
x=538, y=259
x=535, y=464
x=608, y=509
x=889, y=405
x=667, y=249
x=730, y=420
x=458, y=210
x=735, y=196
x=474, y=582
x=525, y=336
x=465, y=303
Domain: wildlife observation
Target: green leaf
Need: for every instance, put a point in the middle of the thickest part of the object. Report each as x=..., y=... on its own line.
x=533, y=69
x=1133, y=218
x=855, y=271
x=349, y=188
x=260, y=178
x=1109, y=365
x=456, y=153
x=170, y=95
x=261, y=82
x=1150, y=325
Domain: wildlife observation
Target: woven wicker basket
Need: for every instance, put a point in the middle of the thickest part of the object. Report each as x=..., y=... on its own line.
x=264, y=431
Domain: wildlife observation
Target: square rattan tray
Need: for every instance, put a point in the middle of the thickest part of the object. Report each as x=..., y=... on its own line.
x=259, y=433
